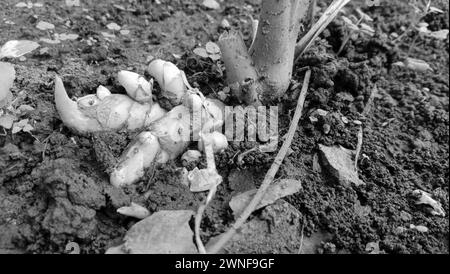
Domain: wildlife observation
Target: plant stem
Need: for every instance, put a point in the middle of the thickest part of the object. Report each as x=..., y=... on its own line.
x=272, y=171
x=239, y=67
x=274, y=46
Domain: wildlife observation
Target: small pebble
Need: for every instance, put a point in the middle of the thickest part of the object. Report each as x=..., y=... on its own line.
x=344, y=119
x=400, y=230
x=321, y=112
x=419, y=228
x=326, y=128
x=313, y=119
x=225, y=24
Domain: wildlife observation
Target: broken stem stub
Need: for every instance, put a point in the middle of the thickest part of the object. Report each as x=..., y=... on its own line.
x=274, y=46
x=241, y=74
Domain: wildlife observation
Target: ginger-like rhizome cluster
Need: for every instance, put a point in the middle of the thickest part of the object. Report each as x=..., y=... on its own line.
x=165, y=135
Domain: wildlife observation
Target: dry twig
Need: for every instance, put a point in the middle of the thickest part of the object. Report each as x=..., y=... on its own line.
x=330, y=13
x=271, y=173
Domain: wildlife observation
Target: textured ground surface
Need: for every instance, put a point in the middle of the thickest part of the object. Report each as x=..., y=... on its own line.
x=53, y=184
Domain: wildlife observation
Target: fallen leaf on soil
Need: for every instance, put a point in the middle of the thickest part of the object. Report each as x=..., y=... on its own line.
x=164, y=232
x=339, y=164
x=124, y=32
x=42, y=25
x=212, y=4
x=7, y=77
x=17, y=48
x=275, y=191
x=424, y=198
x=276, y=230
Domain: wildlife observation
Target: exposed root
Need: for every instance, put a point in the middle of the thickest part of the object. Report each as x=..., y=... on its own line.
x=217, y=179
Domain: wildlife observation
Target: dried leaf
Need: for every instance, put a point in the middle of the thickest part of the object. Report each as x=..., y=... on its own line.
x=201, y=52
x=7, y=76
x=17, y=48
x=212, y=48
x=164, y=232
x=274, y=192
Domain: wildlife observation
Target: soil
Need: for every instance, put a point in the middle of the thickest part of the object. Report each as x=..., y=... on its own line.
x=54, y=185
